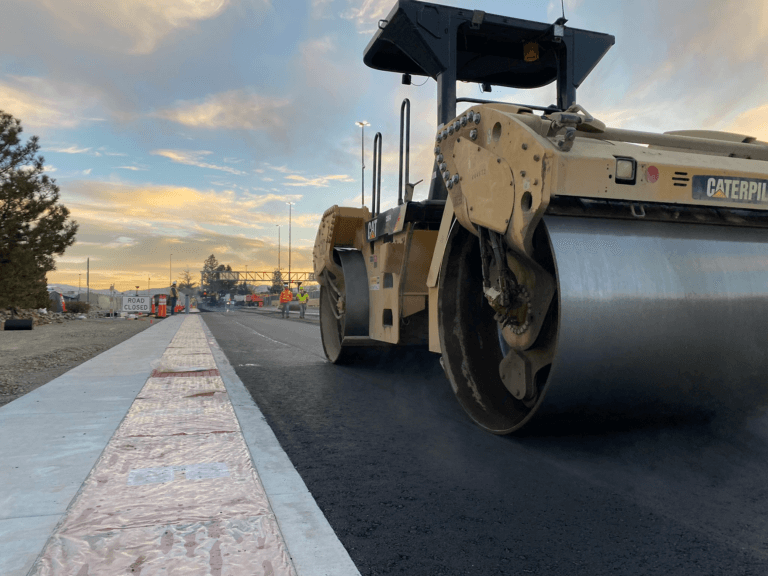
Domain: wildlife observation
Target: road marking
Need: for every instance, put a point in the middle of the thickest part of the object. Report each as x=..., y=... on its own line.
x=262, y=335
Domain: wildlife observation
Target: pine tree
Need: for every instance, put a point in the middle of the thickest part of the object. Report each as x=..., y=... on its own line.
x=209, y=273
x=33, y=225
x=277, y=282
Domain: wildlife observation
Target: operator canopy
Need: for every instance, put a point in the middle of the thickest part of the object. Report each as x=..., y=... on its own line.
x=428, y=40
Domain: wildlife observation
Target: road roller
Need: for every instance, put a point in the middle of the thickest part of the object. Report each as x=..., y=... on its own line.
x=558, y=263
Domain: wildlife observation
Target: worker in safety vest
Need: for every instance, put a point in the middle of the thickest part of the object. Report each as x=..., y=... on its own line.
x=303, y=299
x=174, y=297
x=286, y=296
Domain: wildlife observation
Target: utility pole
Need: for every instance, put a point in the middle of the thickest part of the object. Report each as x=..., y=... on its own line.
x=88, y=281
x=170, y=272
x=148, y=293
x=362, y=125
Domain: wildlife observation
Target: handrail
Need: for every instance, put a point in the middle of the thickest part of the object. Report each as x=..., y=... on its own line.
x=481, y=101
x=405, y=114
x=376, y=184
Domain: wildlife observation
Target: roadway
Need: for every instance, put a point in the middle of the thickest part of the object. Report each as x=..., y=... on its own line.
x=411, y=486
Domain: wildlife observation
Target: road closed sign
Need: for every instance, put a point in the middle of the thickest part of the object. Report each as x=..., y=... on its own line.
x=136, y=304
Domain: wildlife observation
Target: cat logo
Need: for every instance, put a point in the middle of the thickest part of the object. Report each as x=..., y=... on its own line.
x=731, y=189
x=372, y=230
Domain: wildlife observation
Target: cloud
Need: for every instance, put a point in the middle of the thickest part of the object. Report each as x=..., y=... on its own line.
x=133, y=168
x=132, y=229
x=320, y=8
x=753, y=122
x=236, y=109
x=68, y=150
x=695, y=74
x=317, y=181
x=131, y=26
x=39, y=102
x=281, y=169
x=87, y=172
x=194, y=158
x=367, y=13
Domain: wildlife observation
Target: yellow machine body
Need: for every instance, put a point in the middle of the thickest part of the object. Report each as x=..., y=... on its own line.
x=556, y=257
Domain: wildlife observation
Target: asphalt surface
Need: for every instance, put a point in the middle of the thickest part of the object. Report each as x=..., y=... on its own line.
x=411, y=486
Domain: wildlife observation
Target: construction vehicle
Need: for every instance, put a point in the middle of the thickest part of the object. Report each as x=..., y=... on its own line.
x=557, y=263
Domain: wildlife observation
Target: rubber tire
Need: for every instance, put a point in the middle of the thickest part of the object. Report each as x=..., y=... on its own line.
x=18, y=324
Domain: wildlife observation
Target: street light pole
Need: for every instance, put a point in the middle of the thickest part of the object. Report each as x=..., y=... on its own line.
x=290, y=206
x=170, y=271
x=278, y=246
x=362, y=125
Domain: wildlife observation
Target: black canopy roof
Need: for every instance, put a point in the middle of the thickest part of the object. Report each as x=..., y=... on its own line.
x=427, y=39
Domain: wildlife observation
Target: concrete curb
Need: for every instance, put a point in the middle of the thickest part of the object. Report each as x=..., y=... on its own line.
x=56, y=433
x=313, y=545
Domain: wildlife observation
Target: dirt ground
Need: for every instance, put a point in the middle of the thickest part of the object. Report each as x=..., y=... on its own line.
x=31, y=358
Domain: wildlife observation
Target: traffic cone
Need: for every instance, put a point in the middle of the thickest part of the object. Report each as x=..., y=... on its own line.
x=161, y=307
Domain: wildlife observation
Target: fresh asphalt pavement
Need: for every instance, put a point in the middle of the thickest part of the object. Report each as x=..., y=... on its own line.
x=411, y=486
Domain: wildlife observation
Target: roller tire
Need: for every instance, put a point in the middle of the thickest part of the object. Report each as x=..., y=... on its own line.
x=469, y=340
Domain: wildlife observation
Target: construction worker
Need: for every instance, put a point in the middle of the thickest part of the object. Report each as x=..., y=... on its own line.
x=174, y=297
x=286, y=296
x=303, y=299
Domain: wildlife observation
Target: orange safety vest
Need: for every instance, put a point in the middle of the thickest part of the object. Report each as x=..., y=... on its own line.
x=286, y=296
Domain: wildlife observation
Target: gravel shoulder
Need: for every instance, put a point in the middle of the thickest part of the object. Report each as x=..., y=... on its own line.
x=31, y=358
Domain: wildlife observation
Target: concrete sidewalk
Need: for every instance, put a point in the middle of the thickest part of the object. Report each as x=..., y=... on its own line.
x=65, y=442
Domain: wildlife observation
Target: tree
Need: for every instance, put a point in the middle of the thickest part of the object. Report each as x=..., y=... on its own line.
x=33, y=225
x=277, y=282
x=224, y=284
x=187, y=284
x=209, y=273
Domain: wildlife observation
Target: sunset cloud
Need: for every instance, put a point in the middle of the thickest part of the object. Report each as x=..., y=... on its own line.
x=367, y=13
x=43, y=103
x=132, y=26
x=317, y=181
x=236, y=109
x=128, y=226
x=68, y=149
x=194, y=158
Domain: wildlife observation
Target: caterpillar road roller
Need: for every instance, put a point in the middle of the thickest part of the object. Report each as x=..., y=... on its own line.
x=558, y=263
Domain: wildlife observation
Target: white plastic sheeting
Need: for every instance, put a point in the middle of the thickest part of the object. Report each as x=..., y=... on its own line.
x=175, y=491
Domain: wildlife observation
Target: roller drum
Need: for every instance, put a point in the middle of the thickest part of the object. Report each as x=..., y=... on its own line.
x=656, y=315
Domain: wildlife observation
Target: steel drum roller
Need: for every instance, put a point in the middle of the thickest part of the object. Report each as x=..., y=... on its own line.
x=652, y=312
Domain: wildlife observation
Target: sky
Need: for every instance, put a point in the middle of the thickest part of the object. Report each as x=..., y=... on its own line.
x=176, y=130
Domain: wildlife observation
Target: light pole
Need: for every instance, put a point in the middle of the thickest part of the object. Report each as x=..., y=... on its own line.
x=78, y=285
x=148, y=294
x=290, y=206
x=278, y=246
x=362, y=125
x=170, y=271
